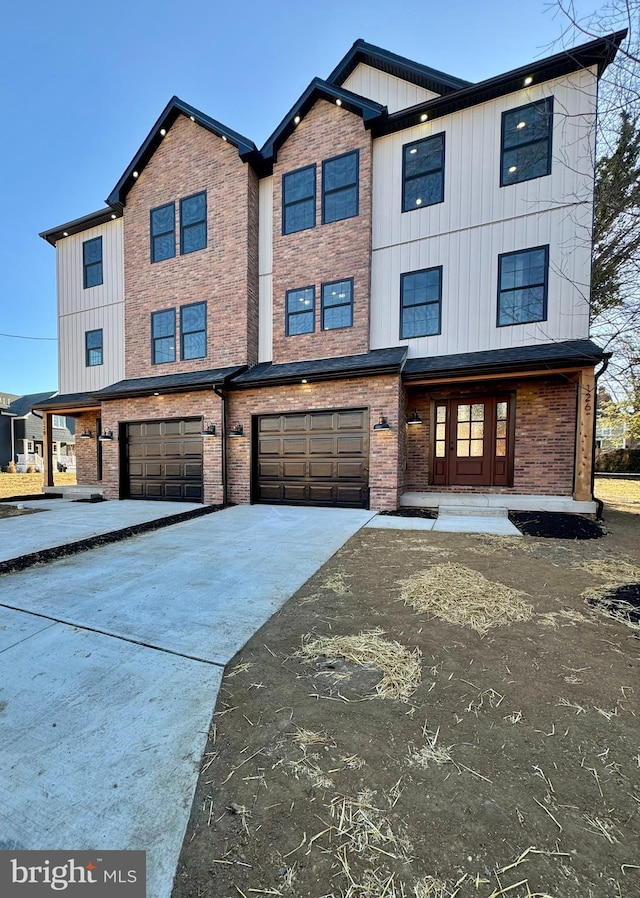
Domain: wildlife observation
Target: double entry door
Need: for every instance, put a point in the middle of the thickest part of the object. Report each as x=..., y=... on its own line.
x=472, y=443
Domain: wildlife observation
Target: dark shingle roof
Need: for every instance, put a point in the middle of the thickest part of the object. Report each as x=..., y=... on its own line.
x=168, y=383
x=378, y=361
x=24, y=404
x=66, y=401
x=496, y=361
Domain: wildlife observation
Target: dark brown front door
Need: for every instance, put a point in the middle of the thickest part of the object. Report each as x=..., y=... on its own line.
x=472, y=441
x=313, y=458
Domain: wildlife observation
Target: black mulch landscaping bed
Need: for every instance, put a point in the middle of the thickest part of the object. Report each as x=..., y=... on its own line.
x=622, y=603
x=11, y=500
x=430, y=513
x=115, y=536
x=555, y=525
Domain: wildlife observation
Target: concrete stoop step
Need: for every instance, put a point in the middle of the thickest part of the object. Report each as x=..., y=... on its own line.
x=472, y=511
x=76, y=492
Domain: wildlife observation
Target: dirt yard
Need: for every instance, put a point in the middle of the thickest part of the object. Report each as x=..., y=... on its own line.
x=29, y=484
x=432, y=715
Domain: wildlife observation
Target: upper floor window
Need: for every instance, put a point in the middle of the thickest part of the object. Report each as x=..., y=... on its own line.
x=163, y=336
x=522, y=286
x=59, y=421
x=299, y=200
x=193, y=331
x=92, y=262
x=337, y=304
x=420, y=302
x=526, y=142
x=163, y=232
x=301, y=311
x=93, y=348
x=340, y=187
x=193, y=223
x=423, y=173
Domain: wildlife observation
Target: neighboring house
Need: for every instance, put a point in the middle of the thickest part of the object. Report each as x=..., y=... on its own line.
x=21, y=434
x=386, y=303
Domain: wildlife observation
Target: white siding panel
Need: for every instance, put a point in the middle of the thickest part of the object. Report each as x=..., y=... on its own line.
x=469, y=260
x=74, y=376
x=265, y=228
x=72, y=297
x=265, y=343
x=389, y=91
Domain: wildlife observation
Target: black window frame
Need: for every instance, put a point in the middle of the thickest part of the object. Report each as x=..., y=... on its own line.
x=312, y=310
x=193, y=224
x=544, y=101
x=403, y=276
x=286, y=206
x=406, y=149
x=342, y=188
x=183, y=332
x=166, y=337
x=341, y=305
x=91, y=266
x=88, y=349
x=544, y=284
x=153, y=236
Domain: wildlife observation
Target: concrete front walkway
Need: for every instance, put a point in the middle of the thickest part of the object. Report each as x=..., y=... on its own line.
x=62, y=522
x=110, y=661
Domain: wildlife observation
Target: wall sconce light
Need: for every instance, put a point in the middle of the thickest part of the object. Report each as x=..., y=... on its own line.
x=415, y=418
x=209, y=430
x=382, y=424
x=237, y=430
x=86, y=434
x=105, y=436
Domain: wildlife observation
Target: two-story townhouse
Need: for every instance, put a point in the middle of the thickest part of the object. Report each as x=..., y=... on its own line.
x=386, y=304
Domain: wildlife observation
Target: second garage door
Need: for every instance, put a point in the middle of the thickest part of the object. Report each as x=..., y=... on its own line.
x=164, y=460
x=313, y=458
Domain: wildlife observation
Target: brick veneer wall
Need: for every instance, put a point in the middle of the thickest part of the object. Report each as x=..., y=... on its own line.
x=379, y=394
x=205, y=404
x=544, y=443
x=327, y=252
x=191, y=159
x=86, y=450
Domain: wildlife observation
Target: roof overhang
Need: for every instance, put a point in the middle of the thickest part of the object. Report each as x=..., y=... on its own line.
x=102, y=216
x=68, y=404
x=376, y=363
x=164, y=384
x=538, y=360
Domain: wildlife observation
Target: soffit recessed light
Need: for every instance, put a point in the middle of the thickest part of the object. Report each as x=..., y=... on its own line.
x=113, y=216
x=65, y=233
x=296, y=120
x=528, y=80
x=224, y=138
x=163, y=131
x=424, y=117
x=338, y=101
x=192, y=118
x=304, y=381
x=135, y=174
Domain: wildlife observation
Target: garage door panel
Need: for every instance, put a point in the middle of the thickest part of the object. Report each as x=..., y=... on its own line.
x=317, y=458
x=161, y=462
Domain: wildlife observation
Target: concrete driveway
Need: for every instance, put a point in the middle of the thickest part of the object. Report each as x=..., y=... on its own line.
x=110, y=662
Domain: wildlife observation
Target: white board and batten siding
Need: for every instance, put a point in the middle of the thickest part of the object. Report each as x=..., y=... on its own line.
x=478, y=220
x=389, y=91
x=265, y=270
x=81, y=310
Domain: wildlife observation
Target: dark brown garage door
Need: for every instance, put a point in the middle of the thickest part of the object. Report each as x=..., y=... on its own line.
x=164, y=460
x=317, y=458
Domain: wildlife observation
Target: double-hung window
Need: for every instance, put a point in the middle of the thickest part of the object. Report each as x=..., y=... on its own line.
x=420, y=303
x=193, y=223
x=163, y=232
x=337, y=304
x=423, y=173
x=526, y=142
x=93, y=348
x=340, y=187
x=92, y=262
x=59, y=421
x=299, y=200
x=163, y=336
x=193, y=331
x=300, y=306
x=522, y=286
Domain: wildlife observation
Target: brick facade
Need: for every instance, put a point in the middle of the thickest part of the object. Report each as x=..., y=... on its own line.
x=87, y=450
x=544, y=444
x=327, y=252
x=191, y=159
x=205, y=404
x=379, y=394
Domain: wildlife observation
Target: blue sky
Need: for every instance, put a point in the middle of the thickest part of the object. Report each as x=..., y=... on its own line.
x=82, y=83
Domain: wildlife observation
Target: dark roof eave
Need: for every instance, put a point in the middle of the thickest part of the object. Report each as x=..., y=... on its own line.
x=69, y=401
x=175, y=107
x=220, y=378
x=102, y=216
x=288, y=379
x=599, y=52
x=386, y=361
